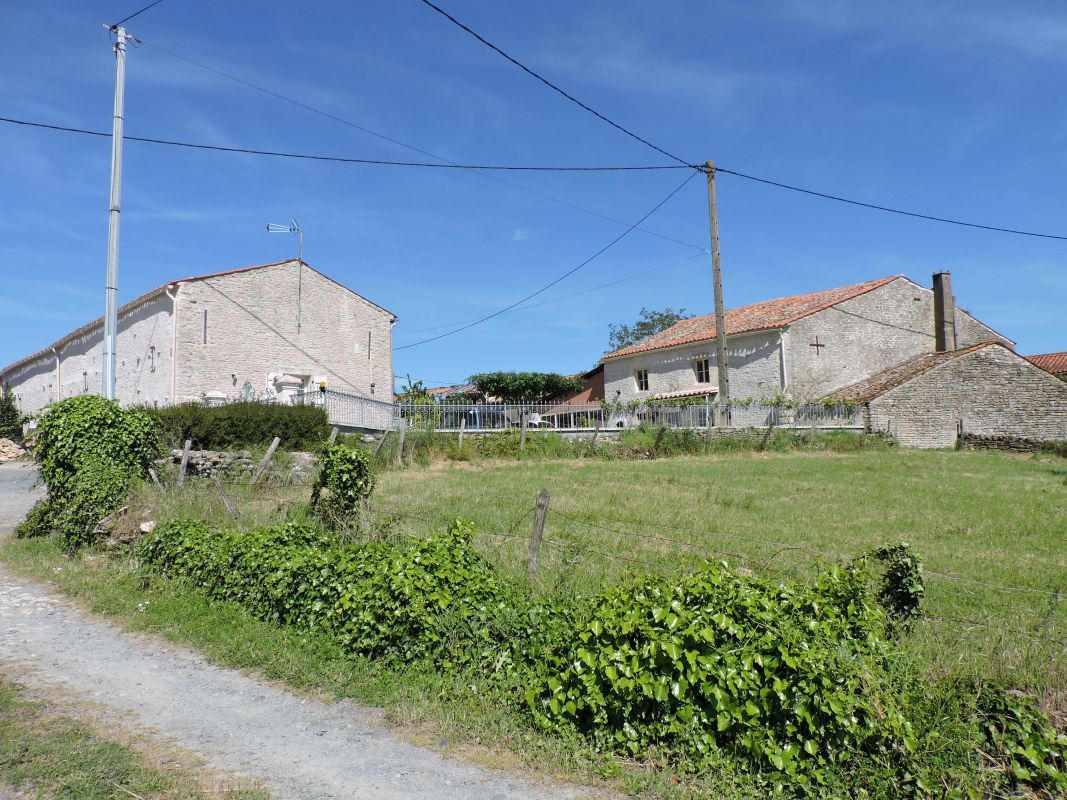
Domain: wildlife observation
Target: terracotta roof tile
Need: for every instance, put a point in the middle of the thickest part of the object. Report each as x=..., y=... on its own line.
x=1056, y=363
x=877, y=385
x=756, y=317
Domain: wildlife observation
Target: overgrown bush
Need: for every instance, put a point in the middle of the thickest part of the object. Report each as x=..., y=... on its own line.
x=1032, y=752
x=781, y=677
x=11, y=418
x=89, y=449
x=345, y=480
x=433, y=599
x=242, y=425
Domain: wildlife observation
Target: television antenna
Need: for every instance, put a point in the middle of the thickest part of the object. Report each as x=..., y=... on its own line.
x=294, y=228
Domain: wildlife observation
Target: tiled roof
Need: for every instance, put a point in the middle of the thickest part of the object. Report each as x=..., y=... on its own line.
x=686, y=393
x=877, y=385
x=756, y=317
x=151, y=294
x=445, y=391
x=1056, y=363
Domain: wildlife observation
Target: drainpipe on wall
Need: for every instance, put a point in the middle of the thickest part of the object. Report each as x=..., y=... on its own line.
x=173, y=340
x=58, y=394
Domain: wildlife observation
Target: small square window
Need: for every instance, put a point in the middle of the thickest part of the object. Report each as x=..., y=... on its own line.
x=641, y=377
x=702, y=370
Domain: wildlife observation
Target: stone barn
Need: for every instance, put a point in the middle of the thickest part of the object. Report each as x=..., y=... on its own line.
x=984, y=390
x=264, y=331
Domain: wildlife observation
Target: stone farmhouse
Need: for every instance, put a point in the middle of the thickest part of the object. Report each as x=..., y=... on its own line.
x=921, y=367
x=268, y=331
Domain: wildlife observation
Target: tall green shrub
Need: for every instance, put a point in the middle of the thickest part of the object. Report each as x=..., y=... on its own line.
x=88, y=450
x=345, y=480
x=240, y=425
x=11, y=418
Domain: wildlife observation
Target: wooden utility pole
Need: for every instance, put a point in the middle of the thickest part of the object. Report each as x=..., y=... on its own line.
x=720, y=321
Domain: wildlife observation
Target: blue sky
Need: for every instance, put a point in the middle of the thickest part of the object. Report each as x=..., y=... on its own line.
x=949, y=108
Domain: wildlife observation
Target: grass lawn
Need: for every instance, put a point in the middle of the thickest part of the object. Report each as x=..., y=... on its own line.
x=45, y=753
x=991, y=529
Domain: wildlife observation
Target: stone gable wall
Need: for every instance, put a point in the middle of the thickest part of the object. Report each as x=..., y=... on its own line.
x=252, y=334
x=993, y=391
x=867, y=335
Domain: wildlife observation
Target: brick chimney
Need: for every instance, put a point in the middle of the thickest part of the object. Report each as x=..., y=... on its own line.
x=944, y=313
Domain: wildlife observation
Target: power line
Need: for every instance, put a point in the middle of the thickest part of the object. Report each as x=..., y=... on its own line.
x=341, y=159
x=398, y=142
x=862, y=204
x=136, y=13
x=573, y=294
x=553, y=86
x=566, y=274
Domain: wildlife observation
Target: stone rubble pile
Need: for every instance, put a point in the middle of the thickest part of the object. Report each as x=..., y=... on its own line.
x=9, y=451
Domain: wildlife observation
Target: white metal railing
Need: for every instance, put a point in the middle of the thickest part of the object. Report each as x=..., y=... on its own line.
x=364, y=412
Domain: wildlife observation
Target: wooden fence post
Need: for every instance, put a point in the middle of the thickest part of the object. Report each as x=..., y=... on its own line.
x=225, y=500
x=596, y=432
x=659, y=440
x=538, y=532
x=462, y=430
x=333, y=435
x=522, y=435
x=266, y=459
x=400, y=447
x=155, y=478
x=381, y=444
x=771, y=420
x=185, y=461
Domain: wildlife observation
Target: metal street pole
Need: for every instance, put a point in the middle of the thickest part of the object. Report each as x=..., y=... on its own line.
x=720, y=320
x=110, y=306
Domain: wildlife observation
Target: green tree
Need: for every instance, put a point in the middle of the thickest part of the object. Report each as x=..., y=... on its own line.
x=11, y=418
x=513, y=387
x=648, y=323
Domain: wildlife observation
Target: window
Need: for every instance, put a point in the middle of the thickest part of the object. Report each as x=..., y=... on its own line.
x=205, y=326
x=152, y=358
x=641, y=377
x=702, y=370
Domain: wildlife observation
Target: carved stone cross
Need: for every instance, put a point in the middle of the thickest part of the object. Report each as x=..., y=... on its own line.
x=817, y=345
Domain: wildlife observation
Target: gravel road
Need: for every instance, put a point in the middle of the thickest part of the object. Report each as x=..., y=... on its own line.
x=293, y=747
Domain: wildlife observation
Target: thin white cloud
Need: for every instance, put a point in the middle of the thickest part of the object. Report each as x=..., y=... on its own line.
x=520, y=235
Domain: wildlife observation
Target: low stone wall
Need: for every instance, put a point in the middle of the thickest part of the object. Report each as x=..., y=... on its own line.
x=1014, y=444
x=214, y=462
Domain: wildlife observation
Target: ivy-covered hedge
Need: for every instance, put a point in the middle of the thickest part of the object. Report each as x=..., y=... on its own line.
x=801, y=683
x=433, y=599
x=241, y=425
x=89, y=450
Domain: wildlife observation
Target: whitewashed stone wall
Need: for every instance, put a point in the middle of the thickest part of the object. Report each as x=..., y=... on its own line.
x=143, y=341
x=992, y=390
x=755, y=368
x=252, y=334
x=867, y=335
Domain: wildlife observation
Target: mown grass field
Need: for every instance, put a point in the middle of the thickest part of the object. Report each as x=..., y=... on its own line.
x=991, y=529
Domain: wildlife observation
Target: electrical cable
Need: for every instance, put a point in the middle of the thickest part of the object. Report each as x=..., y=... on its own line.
x=875, y=207
x=341, y=159
x=572, y=294
x=566, y=274
x=136, y=14
x=398, y=142
x=553, y=86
